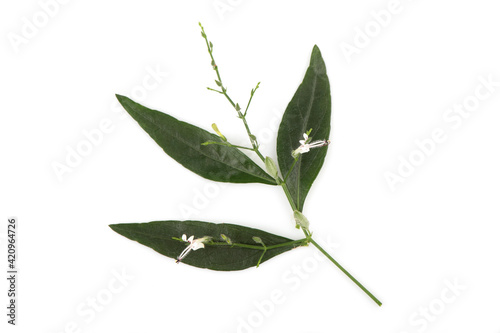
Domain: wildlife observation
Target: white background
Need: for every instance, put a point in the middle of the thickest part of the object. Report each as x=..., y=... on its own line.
x=438, y=227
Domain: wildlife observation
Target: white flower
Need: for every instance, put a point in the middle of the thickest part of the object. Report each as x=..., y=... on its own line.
x=194, y=244
x=305, y=146
x=306, y=138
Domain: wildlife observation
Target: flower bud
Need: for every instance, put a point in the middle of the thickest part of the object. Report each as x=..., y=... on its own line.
x=257, y=240
x=226, y=239
x=216, y=129
x=301, y=220
x=271, y=167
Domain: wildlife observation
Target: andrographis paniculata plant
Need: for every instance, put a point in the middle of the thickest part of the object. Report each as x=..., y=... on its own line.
x=224, y=246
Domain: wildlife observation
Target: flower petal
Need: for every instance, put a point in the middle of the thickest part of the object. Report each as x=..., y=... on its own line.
x=185, y=252
x=198, y=245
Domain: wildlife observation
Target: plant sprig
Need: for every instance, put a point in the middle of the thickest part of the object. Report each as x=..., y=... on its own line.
x=225, y=246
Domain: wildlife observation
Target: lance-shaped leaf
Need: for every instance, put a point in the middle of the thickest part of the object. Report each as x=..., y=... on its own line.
x=231, y=248
x=310, y=108
x=183, y=142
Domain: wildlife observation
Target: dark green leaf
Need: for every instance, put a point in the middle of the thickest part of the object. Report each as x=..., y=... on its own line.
x=309, y=108
x=219, y=254
x=183, y=142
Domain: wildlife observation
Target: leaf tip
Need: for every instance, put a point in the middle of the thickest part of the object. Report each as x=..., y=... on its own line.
x=118, y=228
x=317, y=62
x=122, y=99
x=113, y=226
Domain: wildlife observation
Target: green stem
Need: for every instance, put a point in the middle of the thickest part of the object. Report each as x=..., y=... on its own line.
x=307, y=233
x=298, y=184
x=301, y=242
x=250, y=100
x=227, y=144
x=291, y=168
x=288, y=196
x=220, y=92
x=251, y=136
x=346, y=272
x=241, y=147
x=261, y=256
